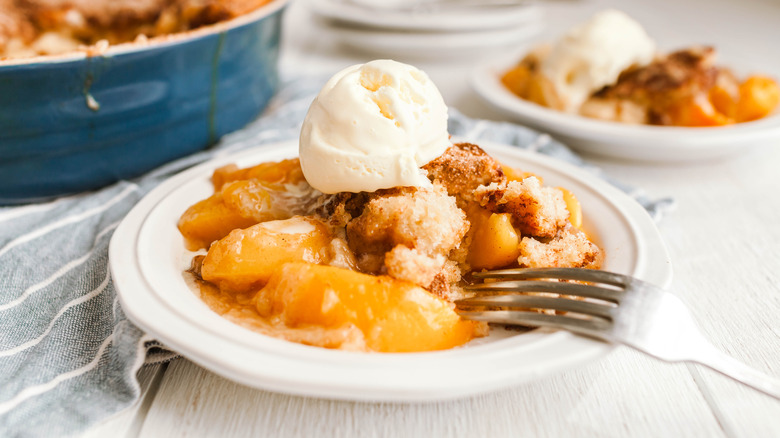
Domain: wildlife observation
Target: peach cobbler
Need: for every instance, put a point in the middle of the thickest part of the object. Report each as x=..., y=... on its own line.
x=374, y=270
x=608, y=69
x=49, y=27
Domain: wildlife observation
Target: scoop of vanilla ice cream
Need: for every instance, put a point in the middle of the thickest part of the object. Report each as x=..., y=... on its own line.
x=371, y=127
x=593, y=54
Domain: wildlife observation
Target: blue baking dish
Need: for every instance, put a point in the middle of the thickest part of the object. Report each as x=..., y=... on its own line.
x=75, y=122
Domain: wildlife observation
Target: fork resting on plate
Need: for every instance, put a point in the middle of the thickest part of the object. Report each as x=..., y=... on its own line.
x=616, y=308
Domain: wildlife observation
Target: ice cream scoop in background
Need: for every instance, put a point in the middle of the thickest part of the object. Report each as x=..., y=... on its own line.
x=373, y=126
x=593, y=54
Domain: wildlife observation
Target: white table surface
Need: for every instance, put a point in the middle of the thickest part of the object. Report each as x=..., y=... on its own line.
x=724, y=241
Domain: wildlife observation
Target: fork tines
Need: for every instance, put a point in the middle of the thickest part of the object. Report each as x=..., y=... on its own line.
x=611, y=294
x=538, y=302
x=608, y=306
x=529, y=297
x=578, y=274
x=602, y=285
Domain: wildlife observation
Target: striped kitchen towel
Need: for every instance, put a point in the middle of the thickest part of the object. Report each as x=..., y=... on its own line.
x=68, y=354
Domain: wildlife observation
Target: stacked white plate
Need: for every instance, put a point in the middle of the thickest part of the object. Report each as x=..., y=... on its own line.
x=428, y=28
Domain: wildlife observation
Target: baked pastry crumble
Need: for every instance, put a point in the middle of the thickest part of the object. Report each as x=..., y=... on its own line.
x=49, y=27
x=607, y=68
x=420, y=242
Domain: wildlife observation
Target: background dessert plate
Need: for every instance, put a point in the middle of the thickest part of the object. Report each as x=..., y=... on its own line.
x=405, y=44
x=434, y=17
x=634, y=142
x=147, y=259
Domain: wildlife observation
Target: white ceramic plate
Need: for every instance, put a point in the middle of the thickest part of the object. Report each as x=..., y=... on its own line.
x=147, y=259
x=404, y=44
x=443, y=19
x=645, y=143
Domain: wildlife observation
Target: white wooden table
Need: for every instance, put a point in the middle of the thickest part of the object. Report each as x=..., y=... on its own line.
x=724, y=241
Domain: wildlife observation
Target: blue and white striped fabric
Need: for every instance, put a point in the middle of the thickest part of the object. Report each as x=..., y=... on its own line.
x=68, y=354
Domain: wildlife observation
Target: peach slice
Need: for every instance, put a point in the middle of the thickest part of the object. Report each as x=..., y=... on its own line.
x=495, y=242
x=393, y=315
x=758, y=97
x=209, y=220
x=273, y=173
x=247, y=258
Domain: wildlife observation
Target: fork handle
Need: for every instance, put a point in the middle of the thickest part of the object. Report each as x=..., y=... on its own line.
x=728, y=366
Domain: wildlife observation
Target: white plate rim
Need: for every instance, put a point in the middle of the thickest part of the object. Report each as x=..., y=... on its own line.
x=642, y=142
x=324, y=373
x=433, y=44
x=431, y=22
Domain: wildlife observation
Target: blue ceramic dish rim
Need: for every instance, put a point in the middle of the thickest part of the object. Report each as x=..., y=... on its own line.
x=268, y=9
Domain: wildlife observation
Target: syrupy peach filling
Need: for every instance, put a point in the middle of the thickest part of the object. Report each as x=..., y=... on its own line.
x=373, y=271
x=682, y=88
x=49, y=27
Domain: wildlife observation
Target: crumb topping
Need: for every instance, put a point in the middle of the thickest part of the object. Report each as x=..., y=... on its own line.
x=570, y=248
x=536, y=210
x=462, y=168
x=45, y=27
x=302, y=276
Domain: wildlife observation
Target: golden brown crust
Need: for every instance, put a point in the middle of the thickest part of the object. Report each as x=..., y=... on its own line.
x=117, y=21
x=683, y=71
x=416, y=235
x=569, y=249
x=682, y=88
x=339, y=208
x=408, y=234
x=13, y=24
x=536, y=210
x=462, y=168
x=619, y=110
x=48, y=14
x=424, y=219
x=404, y=263
x=680, y=76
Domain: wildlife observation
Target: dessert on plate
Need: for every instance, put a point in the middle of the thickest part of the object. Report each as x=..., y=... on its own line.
x=608, y=68
x=50, y=27
x=363, y=242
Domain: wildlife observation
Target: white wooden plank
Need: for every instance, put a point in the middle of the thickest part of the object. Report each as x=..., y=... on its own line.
x=624, y=395
x=722, y=258
x=128, y=422
x=723, y=248
x=724, y=241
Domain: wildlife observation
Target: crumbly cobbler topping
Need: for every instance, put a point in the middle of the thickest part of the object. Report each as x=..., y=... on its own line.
x=48, y=27
x=372, y=248
x=681, y=88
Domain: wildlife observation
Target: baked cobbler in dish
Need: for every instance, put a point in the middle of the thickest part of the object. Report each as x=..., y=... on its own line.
x=374, y=269
x=50, y=27
x=608, y=69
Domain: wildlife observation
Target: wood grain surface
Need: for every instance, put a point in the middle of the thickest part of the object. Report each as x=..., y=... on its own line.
x=724, y=242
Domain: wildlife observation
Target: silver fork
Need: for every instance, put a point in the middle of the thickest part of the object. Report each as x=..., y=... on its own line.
x=618, y=309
